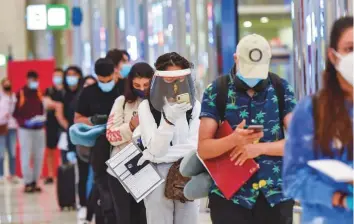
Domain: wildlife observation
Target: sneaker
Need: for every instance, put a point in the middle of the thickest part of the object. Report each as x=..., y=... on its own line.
x=15, y=180
x=35, y=187
x=29, y=188
x=49, y=180
x=81, y=214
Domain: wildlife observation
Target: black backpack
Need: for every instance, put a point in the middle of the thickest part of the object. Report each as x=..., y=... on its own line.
x=222, y=90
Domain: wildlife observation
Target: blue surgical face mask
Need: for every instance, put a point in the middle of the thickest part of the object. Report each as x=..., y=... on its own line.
x=125, y=70
x=33, y=85
x=57, y=80
x=251, y=82
x=72, y=80
x=140, y=93
x=106, y=87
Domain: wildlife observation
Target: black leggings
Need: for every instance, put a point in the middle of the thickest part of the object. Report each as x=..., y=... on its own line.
x=83, y=176
x=100, y=153
x=223, y=211
x=127, y=211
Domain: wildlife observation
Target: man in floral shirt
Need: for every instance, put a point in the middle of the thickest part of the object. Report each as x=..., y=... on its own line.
x=252, y=100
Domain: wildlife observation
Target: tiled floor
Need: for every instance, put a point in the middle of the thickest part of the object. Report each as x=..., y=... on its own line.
x=16, y=207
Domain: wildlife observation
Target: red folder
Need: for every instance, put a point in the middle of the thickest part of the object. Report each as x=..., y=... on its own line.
x=228, y=177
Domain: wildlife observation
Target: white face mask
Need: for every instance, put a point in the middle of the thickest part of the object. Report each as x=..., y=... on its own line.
x=345, y=66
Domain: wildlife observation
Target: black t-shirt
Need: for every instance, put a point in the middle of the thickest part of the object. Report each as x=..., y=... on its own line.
x=93, y=101
x=55, y=95
x=69, y=101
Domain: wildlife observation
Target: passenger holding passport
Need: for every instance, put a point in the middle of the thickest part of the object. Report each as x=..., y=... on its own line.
x=257, y=104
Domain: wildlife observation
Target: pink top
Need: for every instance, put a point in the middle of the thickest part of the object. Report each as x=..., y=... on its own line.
x=7, y=107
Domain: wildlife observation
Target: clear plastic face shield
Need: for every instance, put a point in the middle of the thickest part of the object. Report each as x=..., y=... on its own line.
x=175, y=86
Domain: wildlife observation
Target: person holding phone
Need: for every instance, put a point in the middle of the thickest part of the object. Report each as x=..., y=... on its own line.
x=253, y=99
x=169, y=123
x=122, y=122
x=322, y=128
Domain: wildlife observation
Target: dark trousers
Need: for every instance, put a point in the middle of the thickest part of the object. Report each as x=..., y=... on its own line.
x=93, y=207
x=64, y=160
x=223, y=211
x=126, y=209
x=100, y=153
x=83, y=176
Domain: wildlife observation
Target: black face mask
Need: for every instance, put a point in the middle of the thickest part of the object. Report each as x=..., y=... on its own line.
x=7, y=88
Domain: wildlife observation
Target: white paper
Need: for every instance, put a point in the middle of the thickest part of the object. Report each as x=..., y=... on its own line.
x=38, y=118
x=335, y=169
x=63, y=142
x=140, y=184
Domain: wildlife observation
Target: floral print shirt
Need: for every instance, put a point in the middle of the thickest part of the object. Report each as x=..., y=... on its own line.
x=313, y=189
x=261, y=109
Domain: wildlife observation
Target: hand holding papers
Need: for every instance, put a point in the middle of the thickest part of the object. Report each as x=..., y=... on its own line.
x=335, y=169
x=140, y=181
x=63, y=142
x=38, y=119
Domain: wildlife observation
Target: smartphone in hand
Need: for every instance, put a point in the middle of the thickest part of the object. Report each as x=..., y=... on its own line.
x=183, y=98
x=255, y=128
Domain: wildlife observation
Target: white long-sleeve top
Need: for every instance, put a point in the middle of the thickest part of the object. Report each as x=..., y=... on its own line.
x=118, y=132
x=7, y=107
x=157, y=140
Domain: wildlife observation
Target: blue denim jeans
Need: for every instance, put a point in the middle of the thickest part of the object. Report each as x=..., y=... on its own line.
x=8, y=144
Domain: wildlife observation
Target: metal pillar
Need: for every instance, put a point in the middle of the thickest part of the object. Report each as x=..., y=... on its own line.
x=77, y=40
x=312, y=22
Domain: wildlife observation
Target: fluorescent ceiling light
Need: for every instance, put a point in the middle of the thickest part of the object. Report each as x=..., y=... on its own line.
x=2, y=60
x=264, y=20
x=36, y=17
x=247, y=24
x=264, y=9
x=56, y=17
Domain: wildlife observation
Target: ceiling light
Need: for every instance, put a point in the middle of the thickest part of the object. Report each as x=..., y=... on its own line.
x=264, y=20
x=247, y=24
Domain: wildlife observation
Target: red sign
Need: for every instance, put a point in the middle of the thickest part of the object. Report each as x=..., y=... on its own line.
x=17, y=72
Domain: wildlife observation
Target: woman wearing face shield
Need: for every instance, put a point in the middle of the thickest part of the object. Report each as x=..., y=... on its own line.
x=122, y=122
x=322, y=128
x=169, y=124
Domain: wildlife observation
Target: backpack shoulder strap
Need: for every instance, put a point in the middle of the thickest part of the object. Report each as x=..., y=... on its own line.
x=189, y=116
x=221, y=95
x=21, y=98
x=280, y=92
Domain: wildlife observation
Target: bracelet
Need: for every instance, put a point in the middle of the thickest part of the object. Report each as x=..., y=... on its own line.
x=131, y=126
x=167, y=121
x=341, y=199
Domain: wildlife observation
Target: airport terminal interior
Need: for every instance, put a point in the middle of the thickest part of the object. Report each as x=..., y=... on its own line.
x=40, y=38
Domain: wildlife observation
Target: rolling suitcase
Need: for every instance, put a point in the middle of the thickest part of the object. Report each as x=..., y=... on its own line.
x=66, y=187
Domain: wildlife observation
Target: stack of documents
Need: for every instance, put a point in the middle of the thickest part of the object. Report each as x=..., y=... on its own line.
x=335, y=169
x=139, y=181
